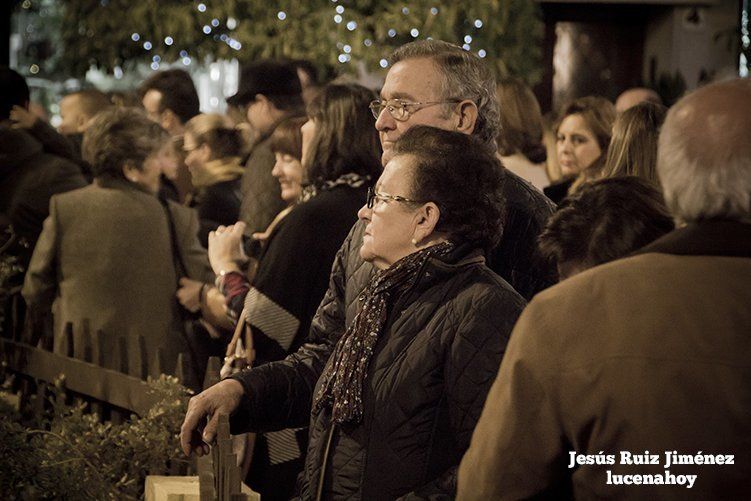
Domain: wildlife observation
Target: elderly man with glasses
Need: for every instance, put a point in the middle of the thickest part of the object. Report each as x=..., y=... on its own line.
x=430, y=83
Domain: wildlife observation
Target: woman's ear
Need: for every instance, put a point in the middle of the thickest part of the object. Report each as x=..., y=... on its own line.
x=466, y=117
x=131, y=172
x=206, y=152
x=426, y=221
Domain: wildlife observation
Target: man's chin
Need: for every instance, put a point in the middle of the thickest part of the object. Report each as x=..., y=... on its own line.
x=388, y=154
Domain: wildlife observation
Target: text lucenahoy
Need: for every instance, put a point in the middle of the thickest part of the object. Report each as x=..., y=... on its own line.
x=667, y=459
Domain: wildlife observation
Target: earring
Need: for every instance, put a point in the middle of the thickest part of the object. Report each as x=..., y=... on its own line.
x=414, y=241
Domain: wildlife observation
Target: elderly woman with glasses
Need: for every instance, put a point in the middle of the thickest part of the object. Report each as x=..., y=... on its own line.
x=392, y=410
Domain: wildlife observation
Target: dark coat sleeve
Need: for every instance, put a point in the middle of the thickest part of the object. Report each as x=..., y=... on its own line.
x=279, y=394
x=475, y=355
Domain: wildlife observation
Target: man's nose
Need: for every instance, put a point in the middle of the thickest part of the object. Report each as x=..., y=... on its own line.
x=385, y=121
x=364, y=213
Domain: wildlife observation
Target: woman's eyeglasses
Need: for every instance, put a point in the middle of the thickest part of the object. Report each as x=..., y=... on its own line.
x=373, y=195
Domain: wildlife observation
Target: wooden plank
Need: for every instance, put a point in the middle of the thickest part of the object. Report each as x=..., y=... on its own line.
x=107, y=385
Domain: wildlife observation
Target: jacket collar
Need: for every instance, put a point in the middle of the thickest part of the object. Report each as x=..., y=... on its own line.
x=705, y=238
x=120, y=184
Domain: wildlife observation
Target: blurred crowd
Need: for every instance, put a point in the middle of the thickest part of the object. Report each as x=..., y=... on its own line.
x=423, y=292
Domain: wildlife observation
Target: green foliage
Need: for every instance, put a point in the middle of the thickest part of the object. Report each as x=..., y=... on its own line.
x=74, y=456
x=99, y=32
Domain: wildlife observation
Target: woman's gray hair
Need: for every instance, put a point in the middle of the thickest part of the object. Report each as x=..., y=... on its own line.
x=465, y=76
x=118, y=137
x=704, y=158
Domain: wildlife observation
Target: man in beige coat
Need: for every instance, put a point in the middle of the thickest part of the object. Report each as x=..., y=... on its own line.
x=633, y=379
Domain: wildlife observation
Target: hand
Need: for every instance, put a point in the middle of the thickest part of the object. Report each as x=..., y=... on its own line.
x=24, y=118
x=225, y=248
x=196, y=432
x=189, y=294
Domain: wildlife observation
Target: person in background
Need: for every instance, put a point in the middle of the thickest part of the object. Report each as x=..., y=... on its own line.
x=392, y=409
x=77, y=109
x=582, y=137
x=633, y=147
x=520, y=143
x=341, y=159
x=112, y=252
x=269, y=92
x=29, y=176
x=647, y=353
x=213, y=147
x=286, y=144
x=603, y=221
x=309, y=82
x=170, y=99
x=636, y=95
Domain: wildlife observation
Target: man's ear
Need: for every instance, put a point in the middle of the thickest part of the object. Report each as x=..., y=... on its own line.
x=81, y=122
x=466, y=117
x=170, y=120
x=427, y=218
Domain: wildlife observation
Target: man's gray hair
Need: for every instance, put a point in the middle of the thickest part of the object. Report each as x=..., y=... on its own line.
x=704, y=155
x=465, y=76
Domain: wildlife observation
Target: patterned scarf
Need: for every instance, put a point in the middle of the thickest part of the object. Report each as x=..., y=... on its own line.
x=342, y=379
x=352, y=180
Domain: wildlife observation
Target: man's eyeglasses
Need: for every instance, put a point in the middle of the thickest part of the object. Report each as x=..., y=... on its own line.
x=373, y=195
x=401, y=110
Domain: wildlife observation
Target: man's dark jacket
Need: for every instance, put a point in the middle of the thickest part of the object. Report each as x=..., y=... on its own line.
x=28, y=179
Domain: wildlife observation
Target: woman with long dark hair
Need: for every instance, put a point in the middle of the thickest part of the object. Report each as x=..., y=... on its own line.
x=341, y=159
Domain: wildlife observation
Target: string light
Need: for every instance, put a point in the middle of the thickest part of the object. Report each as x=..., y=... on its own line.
x=414, y=32
x=156, y=58
x=434, y=11
x=392, y=33
x=231, y=23
x=339, y=9
x=337, y=19
x=367, y=42
x=186, y=61
x=383, y=63
x=466, y=46
x=154, y=66
x=207, y=29
x=467, y=39
x=135, y=37
x=147, y=45
x=351, y=26
x=405, y=10
x=281, y=15
x=118, y=72
x=201, y=7
x=482, y=53
x=478, y=23
x=215, y=22
x=168, y=41
x=183, y=53
x=34, y=69
x=347, y=49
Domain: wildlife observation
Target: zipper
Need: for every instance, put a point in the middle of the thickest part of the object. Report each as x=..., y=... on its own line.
x=322, y=476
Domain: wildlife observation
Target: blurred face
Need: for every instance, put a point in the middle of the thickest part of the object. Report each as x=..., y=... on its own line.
x=576, y=145
x=148, y=176
x=308, y=131
x=72, y=117
x=412, y=80
x=288, y=171
x=151, y=102
x=196, y=155
x=259, y=115
x=391, y=224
